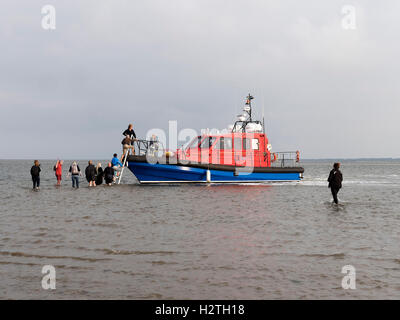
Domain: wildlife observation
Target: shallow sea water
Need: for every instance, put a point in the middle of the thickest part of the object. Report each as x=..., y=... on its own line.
x=272, y=241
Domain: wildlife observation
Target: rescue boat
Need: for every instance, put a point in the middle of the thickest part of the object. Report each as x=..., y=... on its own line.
x=242, y=154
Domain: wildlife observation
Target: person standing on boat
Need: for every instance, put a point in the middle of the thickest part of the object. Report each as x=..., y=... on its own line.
x=99, y=174
x=130, y=132
x=35, y=173
x=58, y=171
x=335, y=181
x=127, y=145
x=90, y=173
x=75, y=172
x=109, y=174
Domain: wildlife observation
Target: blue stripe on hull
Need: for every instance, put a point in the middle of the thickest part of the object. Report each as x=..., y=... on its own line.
x=158, y=173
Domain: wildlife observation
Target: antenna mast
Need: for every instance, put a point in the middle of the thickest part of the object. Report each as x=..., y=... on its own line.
x=245, y=118
x=248, y=103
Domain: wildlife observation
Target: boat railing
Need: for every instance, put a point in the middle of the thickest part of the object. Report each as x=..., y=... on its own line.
x=153, y=147
x=285, y=159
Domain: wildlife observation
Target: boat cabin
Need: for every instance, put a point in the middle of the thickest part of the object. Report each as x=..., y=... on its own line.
x=232, y=149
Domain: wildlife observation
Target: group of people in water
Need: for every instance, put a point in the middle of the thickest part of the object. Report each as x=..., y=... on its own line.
x=95, y=175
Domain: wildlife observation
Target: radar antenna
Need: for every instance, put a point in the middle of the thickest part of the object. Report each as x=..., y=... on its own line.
x=245, y=118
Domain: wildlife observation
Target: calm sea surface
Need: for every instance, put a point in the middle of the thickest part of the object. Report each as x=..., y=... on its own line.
x=277, y=241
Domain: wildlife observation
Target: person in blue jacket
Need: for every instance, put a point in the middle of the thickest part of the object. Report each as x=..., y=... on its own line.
x=116, y=164
x=115, y=161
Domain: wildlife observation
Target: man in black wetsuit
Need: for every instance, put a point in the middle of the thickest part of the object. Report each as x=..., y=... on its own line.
x=335, y=181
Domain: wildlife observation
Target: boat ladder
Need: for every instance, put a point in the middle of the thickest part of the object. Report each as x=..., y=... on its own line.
x=123, y=165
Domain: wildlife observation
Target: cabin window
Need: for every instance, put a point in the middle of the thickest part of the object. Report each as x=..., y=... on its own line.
x=247, y=144
x=227, y=144
x=220, y=144
x=207, y=142
x=212, y=140
x=223, y=144
x=194, y=143
x=238, y=144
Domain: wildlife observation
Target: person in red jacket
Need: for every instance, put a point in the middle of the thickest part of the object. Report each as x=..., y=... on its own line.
x=58, y=171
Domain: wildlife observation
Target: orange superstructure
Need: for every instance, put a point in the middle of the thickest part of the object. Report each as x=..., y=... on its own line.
x=245, y=146
x=233, y=149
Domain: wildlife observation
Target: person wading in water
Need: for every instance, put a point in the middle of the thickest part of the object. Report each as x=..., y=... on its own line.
x=90, y=173
x=335, y=181
x=35, y=173
x=109, y=174
x=75, y=172
x=99, y=174
x=58, y=171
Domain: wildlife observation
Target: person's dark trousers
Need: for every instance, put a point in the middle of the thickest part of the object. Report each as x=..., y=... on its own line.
x=334, y=194
x=36, y=182
x=75, y=181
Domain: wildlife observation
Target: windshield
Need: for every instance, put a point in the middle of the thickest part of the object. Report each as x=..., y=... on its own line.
x=207, y=142
x=194, y=143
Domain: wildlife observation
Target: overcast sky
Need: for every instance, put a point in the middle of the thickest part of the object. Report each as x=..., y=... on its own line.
x=328, y=91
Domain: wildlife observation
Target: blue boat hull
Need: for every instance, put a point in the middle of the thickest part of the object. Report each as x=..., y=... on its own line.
x=165, y=173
